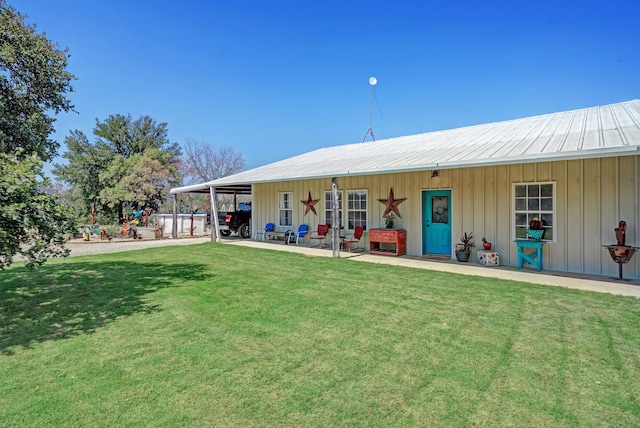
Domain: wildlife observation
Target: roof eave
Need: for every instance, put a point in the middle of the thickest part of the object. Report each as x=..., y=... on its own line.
x=540, y=157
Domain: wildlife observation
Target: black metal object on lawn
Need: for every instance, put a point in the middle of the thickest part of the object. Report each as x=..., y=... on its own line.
x=621, y=253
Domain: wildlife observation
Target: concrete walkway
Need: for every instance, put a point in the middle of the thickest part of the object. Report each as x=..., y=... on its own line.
x=595, y=283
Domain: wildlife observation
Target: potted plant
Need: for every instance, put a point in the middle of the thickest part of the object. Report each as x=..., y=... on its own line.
x=536, y=229
x=536, y=224
x=486, y=244
x=463, y=249
x=388, y=220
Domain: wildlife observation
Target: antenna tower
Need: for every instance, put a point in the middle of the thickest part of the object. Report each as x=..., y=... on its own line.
x=372, y=83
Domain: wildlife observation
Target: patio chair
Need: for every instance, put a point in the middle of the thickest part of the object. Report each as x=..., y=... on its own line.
x=303, y=229
x=269, y=227
x=354, y=238
x=319, y=235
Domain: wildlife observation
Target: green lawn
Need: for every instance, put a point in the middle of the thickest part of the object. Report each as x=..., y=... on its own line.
x=219, y=335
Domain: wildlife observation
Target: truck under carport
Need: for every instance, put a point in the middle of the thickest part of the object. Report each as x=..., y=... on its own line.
x=213, y=191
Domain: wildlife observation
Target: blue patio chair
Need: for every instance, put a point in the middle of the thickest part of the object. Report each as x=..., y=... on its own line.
x=303, y=229
x=270, y=227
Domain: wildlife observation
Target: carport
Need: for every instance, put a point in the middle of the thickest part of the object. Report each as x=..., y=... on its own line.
x=213, y=191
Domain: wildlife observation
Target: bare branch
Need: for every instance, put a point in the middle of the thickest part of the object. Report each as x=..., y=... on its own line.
x=203, y=162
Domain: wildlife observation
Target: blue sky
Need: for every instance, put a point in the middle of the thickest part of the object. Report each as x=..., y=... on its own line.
x=279, y=78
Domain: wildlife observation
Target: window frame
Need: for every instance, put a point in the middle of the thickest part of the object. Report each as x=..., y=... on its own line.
x=365, y=210
x=327, y=207
x=530, y=213
x=282, y=207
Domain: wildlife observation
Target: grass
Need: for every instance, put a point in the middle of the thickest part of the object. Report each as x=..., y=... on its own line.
x=213, y=335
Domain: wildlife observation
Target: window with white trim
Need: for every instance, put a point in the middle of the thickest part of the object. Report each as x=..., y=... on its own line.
x=285, y=209
x=328, y=212
x=534, y=200
x=356, y=209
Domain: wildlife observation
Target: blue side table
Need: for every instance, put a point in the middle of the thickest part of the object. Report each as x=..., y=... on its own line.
x=535, y=257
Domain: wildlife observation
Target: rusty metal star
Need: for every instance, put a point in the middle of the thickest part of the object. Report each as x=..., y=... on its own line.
x=310, y=204
x=391, y=204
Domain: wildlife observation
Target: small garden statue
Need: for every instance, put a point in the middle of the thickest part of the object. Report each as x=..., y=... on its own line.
x=146, y=214
x=486, y=244
x=621, y=231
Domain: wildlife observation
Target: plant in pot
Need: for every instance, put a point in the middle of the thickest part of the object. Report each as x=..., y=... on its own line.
x=388, y=220
x=486, y=244
x=463, y=249
x=536, y=229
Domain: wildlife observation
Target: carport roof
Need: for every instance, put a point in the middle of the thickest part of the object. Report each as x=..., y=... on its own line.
x=604, y=131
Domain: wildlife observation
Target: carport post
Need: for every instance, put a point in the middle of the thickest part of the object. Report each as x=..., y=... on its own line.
x=215, y=226
x=253, y=217
x=174, y=223
x=335, y=218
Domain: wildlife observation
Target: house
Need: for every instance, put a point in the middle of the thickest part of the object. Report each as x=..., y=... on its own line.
x=578, y=171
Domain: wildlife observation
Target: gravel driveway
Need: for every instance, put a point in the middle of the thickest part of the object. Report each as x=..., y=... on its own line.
x=79, y=247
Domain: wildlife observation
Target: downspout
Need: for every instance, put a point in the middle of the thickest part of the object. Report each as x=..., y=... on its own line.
x=215, y=227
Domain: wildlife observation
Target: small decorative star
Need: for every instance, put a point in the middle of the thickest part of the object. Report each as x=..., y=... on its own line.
x=310, y=204
x=391, y=204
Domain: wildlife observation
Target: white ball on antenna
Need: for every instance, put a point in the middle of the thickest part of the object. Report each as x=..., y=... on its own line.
x=373, y=81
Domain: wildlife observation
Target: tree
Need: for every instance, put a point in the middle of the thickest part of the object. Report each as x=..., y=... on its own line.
x=130, y=165
x=32, y=223
x=140, y=181
x=203, y=162
x=127, y=137
x=88, y=161
x=33, y=85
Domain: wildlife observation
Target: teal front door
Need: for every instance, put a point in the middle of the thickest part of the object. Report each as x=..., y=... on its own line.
x=436, y=222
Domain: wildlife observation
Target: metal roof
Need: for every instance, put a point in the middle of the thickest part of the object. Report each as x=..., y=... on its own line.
x=610, y=130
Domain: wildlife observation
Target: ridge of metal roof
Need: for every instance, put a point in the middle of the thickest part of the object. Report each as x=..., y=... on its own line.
x=604, y=131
